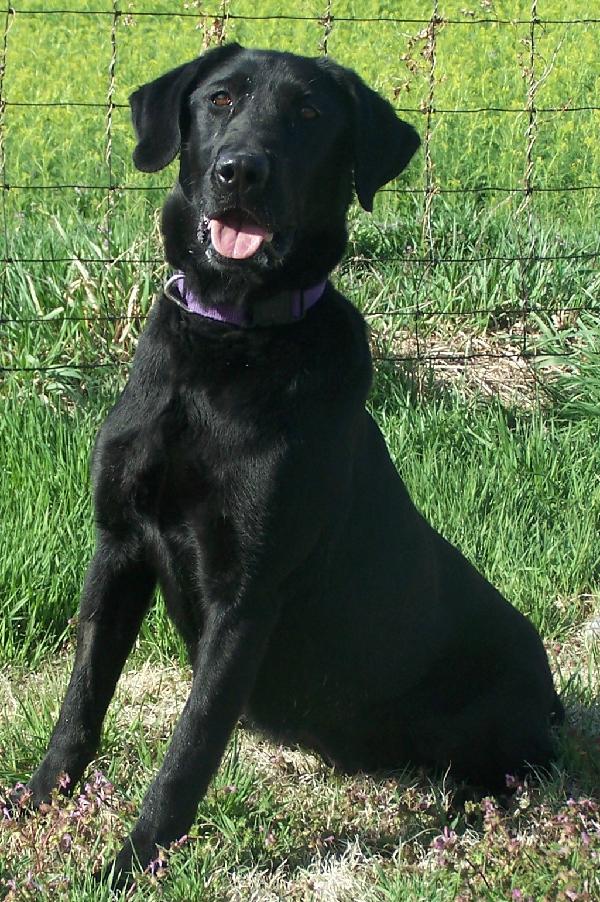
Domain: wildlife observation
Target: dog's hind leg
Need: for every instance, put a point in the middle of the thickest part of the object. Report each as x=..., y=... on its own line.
x=116, y=595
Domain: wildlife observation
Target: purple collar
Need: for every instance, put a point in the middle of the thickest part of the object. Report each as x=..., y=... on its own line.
x=285, y=307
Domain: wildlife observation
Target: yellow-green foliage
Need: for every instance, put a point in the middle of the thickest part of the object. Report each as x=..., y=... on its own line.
x=57, y=57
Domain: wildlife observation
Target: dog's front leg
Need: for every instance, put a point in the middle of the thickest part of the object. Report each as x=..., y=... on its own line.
x=227, y=663
x=116, y=595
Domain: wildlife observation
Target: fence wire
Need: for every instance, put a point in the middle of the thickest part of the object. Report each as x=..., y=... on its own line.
x=425, y=261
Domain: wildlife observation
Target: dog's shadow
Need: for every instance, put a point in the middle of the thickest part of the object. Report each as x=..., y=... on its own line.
x=413, y=814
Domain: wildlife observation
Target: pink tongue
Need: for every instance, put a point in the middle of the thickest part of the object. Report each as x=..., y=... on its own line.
x=237, y=238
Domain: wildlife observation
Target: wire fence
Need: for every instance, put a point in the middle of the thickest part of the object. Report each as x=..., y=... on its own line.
x=409, y=323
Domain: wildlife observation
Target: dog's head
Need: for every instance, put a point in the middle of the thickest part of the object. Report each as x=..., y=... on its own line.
x=270, y=145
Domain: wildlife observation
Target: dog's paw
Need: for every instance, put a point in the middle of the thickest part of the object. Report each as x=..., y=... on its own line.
x=139, y=853
x=22, y=799
x=16, y=801
x=36, y=795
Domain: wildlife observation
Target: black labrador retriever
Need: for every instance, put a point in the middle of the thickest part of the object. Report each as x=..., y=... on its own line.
x=240, y=471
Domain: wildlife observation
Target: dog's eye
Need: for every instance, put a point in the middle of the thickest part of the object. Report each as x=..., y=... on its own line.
x=221, y=98
x=309, y=112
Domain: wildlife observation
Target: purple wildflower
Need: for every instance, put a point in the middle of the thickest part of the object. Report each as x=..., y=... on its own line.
x=64, y=781
x=446, y=840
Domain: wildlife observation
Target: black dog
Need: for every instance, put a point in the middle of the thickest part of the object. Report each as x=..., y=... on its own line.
x=240, y=471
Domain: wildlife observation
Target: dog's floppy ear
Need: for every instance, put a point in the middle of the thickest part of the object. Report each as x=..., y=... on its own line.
x=156, y=108
x=383, y=144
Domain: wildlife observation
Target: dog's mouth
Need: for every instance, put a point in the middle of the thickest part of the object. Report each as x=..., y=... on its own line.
x=236, y=235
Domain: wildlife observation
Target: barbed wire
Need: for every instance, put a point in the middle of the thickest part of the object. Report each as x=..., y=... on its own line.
x=433, y=358
x=435, y=189
x=291, y=17
x=409, y=258
x=492, y=313
x=565, y=108
x=529, y=256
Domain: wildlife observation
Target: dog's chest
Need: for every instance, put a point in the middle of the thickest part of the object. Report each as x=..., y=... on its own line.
x=192, y=463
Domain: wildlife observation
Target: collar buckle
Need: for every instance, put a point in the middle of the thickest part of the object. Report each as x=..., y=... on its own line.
x=173, y=296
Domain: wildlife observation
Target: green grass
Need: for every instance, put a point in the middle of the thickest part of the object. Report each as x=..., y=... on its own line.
x=49, y=146
x=278, y=823
x=518, y=491
x=502, y=458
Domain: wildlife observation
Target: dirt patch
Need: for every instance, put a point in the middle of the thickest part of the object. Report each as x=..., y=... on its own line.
x=476, y=366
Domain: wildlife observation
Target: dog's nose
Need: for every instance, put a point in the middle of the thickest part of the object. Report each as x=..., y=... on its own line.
x=242, y=170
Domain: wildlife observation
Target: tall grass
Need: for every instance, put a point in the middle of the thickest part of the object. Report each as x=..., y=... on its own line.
x=518, y=491
x=515, y=488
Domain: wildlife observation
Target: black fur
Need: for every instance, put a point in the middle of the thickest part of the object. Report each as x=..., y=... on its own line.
x=240, y=471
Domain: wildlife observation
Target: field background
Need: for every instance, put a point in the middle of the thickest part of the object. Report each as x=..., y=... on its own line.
x=483, y=305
